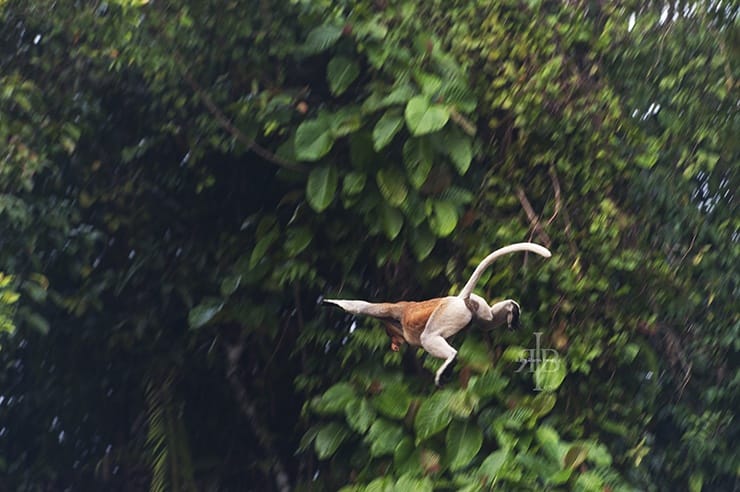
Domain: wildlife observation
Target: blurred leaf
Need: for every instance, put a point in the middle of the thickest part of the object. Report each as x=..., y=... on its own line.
x=329, y=438
x=313, y=139
x=360, y=415
x=422, y=242
x=386, y=128
x=297, y=240
x=492, y=465
x=321, y=186
x=393, y=401
x=229, y=284
x=204, y=312
x=550, y=374
x=444, y=218
x=392, y=186
x=321, y=38
x=433, y=415
x=417, y=156
x=340, y=73
x=423, y=117
x=463, y=442
x=383, y=437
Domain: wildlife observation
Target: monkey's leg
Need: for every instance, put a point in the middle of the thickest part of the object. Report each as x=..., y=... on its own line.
x=451, y=316
x=377, y=310
x=438, y=347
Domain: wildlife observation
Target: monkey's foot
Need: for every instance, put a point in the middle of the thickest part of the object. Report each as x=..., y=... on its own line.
x=447, y=374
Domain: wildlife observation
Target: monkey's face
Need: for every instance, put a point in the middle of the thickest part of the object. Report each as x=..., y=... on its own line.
x=512, y=317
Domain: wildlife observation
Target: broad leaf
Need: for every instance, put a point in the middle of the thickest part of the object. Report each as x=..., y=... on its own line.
x=392, y=186
x=415, y=484
x=340, y=73
x=492, y=465
x=345, y=121
x=550, y=374
x=321, y=38
x=422, y=117
x=384, y=436
x=297, y=240
x=422, y=242
x=392, y=221
x=417, y=156
x=321, y=187
x=443, y=219
x=329, y=438
x=204, y=312
x=393, y=401
x=313, y=139
x=433, y=415
x=386, y=128
x=353, y=183
x=460, y=149
x=360, y=415
x=229, y=284
x=334, y=400
x=464, y=440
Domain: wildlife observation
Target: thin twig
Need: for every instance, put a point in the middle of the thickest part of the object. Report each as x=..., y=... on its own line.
x=558, y=199
x=532, y=216
x=223, y=120
x=227, y=125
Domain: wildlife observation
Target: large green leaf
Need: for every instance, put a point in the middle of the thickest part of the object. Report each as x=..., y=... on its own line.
x=550, y=374
x=444, y=218
x=417, y=156
x=392, y=185
x=204, y=312
x=229, y=284
x=297, y=240
x=422, y=117
x=334, y=400
x=360, y=415
x=329, y=438
x=460, y=149
x=392, y=221
x=386, y=127
x=422, y=242
x=384, y=436
x=463, y=440
x=313, y=139
x=321, y=187
x=344, y=121
x=393, y=401
x=340, y=73
x=492, y=465
x=433, y=415
x=408, y=482
x=321, y=38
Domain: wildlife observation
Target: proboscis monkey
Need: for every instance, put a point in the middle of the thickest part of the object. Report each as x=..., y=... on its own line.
x=429, y=323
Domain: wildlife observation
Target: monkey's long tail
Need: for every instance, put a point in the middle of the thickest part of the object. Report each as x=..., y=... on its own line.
x=512, y=248
x=376, y=310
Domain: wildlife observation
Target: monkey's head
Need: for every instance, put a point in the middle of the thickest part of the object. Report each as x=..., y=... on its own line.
x=512, y=316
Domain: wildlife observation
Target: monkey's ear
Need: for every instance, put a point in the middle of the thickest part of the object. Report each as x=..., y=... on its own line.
x=513, y=317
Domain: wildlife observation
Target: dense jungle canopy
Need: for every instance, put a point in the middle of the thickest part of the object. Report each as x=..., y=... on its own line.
x=182, y=183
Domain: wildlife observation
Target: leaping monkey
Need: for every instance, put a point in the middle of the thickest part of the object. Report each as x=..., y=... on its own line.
x=430, y=323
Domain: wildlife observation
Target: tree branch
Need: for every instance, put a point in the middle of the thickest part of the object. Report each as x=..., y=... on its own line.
x=227, y=125
x=233, y=354
x=534, y=219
